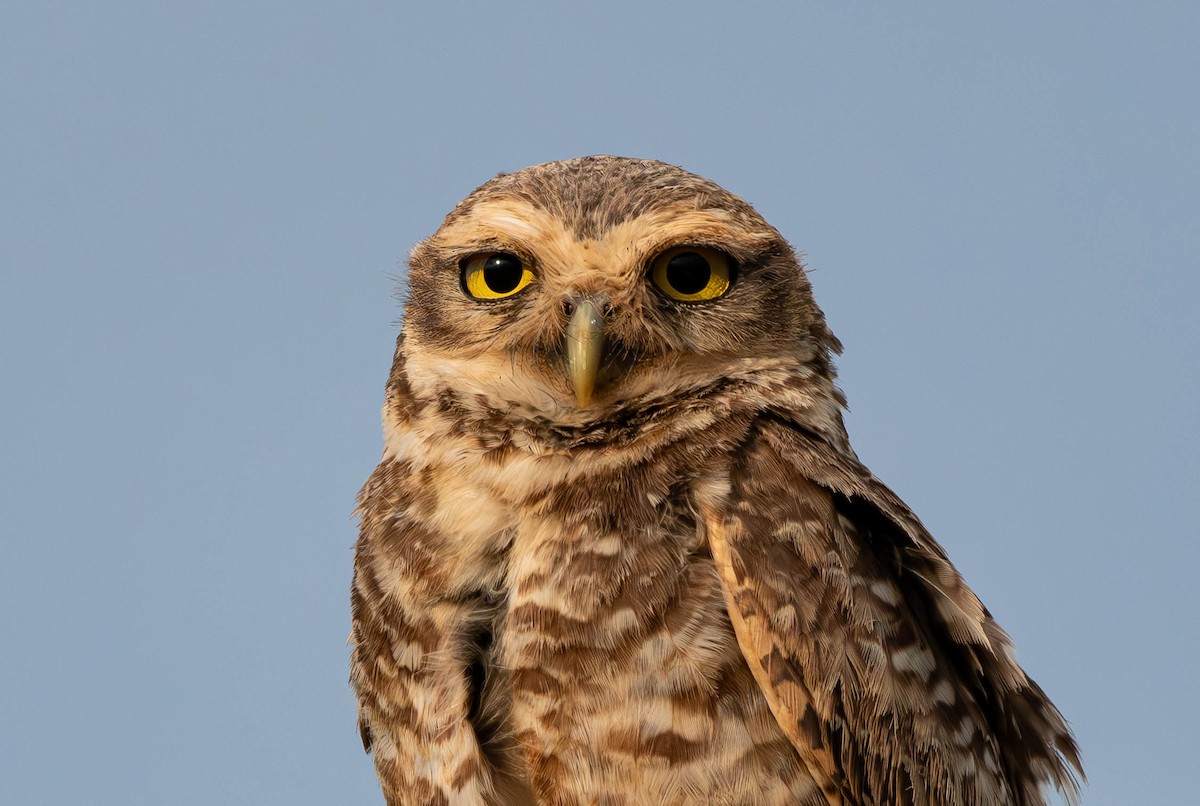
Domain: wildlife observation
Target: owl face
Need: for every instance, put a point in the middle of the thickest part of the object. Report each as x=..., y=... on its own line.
x=573, y=288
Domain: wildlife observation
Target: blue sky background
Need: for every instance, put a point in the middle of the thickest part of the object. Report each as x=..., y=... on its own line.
x=204, y=210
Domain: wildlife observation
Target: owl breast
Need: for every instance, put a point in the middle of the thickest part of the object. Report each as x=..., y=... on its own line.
x=616, y=676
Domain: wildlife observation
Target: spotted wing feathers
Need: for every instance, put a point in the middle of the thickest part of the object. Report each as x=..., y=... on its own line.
x=889, y=676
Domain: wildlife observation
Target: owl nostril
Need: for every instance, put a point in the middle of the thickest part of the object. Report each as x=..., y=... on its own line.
x=569, y=304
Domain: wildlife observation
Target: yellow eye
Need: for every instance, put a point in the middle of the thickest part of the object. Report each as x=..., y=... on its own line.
x=692, y=273
x=495, y=275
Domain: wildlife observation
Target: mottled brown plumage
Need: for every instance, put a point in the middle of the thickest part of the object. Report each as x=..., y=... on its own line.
x=679, y=586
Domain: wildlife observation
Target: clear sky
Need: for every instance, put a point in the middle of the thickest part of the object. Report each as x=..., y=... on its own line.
x=205, y=211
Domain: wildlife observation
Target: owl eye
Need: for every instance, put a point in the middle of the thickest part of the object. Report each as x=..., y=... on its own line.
x=494, y=275
x=692, y=273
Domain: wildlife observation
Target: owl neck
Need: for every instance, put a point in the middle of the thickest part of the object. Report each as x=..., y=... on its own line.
x=507, y=415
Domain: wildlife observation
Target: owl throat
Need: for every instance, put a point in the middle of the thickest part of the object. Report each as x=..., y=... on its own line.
x=523, y=405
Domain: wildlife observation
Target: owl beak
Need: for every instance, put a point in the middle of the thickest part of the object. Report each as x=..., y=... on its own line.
x=585, y=348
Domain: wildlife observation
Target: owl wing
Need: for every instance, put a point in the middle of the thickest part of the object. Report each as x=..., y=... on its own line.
x=886, y=672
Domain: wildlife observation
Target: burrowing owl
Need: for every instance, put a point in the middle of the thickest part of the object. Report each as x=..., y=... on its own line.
x=619, y=549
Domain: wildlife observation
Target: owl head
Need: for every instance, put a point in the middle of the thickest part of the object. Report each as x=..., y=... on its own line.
x=571, y=289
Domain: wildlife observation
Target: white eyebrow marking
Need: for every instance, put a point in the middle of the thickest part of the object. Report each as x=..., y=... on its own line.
x=516, y=225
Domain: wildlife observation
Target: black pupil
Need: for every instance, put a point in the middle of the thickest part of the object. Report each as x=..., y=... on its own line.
x=688, y=273
x=502, y=273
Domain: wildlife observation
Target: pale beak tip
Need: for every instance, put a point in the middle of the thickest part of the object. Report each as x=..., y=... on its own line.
x=585, y=347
